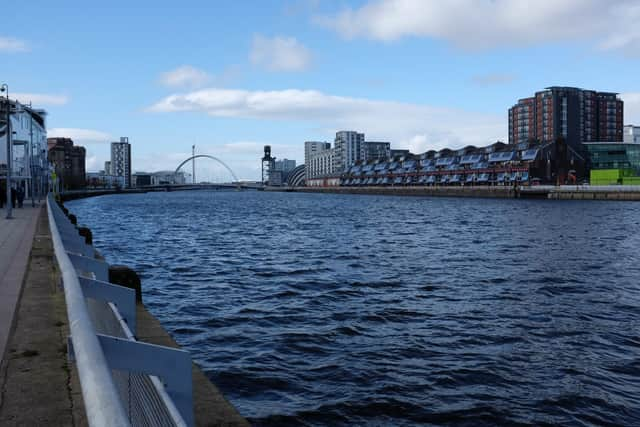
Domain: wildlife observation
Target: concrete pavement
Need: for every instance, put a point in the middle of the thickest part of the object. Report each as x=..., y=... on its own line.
x=16, y=238
x=38, y=386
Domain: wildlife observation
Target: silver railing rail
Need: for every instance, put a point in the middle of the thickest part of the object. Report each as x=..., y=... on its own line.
x=101, y=400
x=124, y=381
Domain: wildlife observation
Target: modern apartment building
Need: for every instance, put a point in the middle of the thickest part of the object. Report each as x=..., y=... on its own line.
x=313, y=147
x=522, y=121
x=322, y=163
x=376, y=150
x=577, y=115
x=121, y=160
x=350, y=148
x=284, y=165
x=310, y=149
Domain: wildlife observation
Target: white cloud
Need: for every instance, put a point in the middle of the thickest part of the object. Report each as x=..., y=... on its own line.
x=483, y=24
x=92, y=164
x=631, y=108
x=418, y=143
x=80, y=136
x=624, y=36
x=39, y=99
x=395, y=121
x=279, y=54
x=185, y=76
x=11, y=45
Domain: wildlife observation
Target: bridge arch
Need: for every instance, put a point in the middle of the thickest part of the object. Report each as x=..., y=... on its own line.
x=212, y=158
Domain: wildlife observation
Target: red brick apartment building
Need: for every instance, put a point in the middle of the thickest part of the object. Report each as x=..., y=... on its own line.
x=577, y=115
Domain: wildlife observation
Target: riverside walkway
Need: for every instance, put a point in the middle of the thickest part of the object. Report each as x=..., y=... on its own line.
x=16, y=237
x=39, y=385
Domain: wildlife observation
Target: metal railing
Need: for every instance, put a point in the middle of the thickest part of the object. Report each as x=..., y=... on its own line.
x=584, y=188
x=124, y=381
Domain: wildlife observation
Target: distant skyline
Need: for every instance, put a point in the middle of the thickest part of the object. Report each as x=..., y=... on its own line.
x=231, y=77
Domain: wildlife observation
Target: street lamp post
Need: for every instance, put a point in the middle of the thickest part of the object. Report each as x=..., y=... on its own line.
x=31, y=168
x=5, y=88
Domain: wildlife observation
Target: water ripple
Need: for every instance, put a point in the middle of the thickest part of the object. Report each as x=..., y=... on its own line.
x=365, y=310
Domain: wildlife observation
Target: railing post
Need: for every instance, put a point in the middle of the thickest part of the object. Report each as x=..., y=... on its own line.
x=101, y=399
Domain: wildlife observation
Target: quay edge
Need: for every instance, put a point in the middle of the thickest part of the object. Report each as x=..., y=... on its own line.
x=563, y=192
x=210, y=406
x=36, y=367
x=488, y=192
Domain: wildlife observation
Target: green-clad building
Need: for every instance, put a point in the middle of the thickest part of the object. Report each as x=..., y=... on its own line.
x=614, y=163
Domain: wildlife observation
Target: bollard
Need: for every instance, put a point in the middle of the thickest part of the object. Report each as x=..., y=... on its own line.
x=125, y=276
x=73, y=219
x=86, y=233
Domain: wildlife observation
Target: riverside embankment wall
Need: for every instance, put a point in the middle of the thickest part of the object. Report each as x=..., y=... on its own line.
x=82, y=194
x=495, y=192
x=209, y=404
x=563, y=192
x=594, y=194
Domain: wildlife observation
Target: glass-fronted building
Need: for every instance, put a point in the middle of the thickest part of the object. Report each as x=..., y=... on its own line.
x=607, y=155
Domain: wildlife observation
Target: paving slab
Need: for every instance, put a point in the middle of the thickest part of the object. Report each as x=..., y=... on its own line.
x=36, y=379
x=16, y=237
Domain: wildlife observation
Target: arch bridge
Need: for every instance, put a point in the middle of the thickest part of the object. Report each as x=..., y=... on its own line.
x=236, y=180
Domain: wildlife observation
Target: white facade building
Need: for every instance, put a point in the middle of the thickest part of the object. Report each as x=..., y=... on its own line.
x=28, y=142
x=121, y=160
x=631, y=134
x=350, y=148
x=169, y=177
x=310, y=149
x=332, y=181
x=321, y=163
x=29, y=134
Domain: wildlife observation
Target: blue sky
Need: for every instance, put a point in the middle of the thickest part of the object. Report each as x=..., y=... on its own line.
x=233, y=76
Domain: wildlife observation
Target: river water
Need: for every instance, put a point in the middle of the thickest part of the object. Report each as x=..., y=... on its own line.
x=317, y=309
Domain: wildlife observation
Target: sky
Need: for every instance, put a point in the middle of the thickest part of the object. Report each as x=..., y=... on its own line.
x=231, y=77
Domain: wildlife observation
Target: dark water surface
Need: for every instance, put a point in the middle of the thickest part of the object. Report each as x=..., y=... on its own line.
x=310, y=309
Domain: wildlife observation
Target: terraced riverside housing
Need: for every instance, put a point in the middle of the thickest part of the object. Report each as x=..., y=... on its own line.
x=558, y=136
x=496, y=164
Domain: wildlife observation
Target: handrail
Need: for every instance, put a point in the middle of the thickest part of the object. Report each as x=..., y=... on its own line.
x=101, y=401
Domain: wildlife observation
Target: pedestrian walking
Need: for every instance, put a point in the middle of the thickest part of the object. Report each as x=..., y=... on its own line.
x=20, y=196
